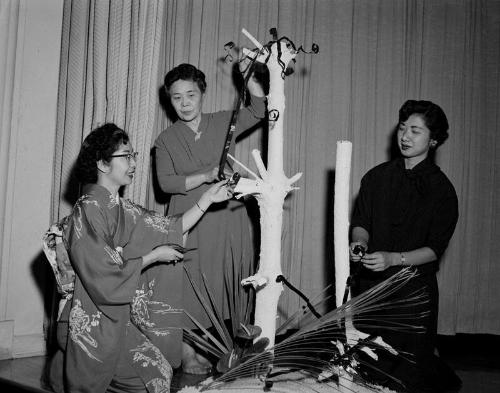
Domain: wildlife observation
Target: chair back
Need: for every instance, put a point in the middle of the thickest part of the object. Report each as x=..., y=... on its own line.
x=56, y=253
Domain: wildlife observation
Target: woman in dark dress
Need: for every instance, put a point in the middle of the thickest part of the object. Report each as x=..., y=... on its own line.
x=187, y=160
x=405, y=215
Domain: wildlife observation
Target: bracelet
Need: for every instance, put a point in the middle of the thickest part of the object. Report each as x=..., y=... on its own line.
x=199, y=207
x=403, y=259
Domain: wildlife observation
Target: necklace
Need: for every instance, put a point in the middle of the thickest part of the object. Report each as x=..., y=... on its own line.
x=197, y=135
x=193, y=126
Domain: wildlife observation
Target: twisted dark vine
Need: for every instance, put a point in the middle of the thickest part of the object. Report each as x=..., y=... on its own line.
x=282, y=279
x=289, y=44
x=229, y=57
x=274, y=115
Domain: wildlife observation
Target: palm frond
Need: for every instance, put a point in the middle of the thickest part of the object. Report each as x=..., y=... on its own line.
x=201, y=342
x=240, y=301
x=216, y=317
x=222, y=342
x=316, y=301
x=213, y=314
x=314, y=349
x=210, y=337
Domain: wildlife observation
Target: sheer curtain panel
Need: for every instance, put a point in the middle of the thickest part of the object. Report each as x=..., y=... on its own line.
x=109, y=73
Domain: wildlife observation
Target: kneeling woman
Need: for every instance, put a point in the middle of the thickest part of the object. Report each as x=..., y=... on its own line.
x=114, y=332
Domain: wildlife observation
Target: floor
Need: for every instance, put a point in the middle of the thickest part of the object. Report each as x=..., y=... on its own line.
x=473, y=357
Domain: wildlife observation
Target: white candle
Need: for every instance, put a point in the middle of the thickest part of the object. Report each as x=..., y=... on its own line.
x=341, y=217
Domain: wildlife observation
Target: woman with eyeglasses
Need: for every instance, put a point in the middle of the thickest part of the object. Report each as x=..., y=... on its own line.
x=118, y=324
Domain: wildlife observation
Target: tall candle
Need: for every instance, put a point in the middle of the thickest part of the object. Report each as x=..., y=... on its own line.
x=341, y=217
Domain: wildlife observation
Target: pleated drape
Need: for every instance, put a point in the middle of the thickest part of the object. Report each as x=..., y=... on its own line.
x=109, y=73
x=9, y=20
x=374, y=55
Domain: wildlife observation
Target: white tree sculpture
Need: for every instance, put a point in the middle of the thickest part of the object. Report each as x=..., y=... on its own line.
x=270, y=188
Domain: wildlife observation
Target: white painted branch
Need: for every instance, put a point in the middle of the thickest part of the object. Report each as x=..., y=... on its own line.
x=243, y=166
x=260, y=164
x=249, y=187
x=270, y=191
x=341, y=241
x=252, y=38
x=295, y=177
x=261, y=56
x=341, y=219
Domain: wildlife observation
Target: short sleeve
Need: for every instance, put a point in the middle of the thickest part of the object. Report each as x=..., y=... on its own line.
x=169, y=181
x=444, y=221
x=361, y=216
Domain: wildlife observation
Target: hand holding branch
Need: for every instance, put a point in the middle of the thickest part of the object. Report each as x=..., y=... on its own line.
x=219, y=192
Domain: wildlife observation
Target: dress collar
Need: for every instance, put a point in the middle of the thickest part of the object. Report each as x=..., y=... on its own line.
x=423, y=166
x=419, y=174
x=202, y=127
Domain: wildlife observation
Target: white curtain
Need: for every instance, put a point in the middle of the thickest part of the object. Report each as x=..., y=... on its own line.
x=374, y=55
x=9, y=19
x=109, y=70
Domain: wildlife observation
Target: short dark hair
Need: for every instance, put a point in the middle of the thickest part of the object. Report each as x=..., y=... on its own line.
x=185, y=72
x=100, y=144
x=432, y=114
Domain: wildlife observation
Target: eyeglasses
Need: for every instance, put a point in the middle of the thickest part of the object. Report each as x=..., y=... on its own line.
x=129, y=156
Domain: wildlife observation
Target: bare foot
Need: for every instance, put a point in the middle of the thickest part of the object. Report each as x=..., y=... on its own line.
x=194, y=363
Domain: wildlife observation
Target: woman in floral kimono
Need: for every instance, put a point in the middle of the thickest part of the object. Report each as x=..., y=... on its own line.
x=115, y=329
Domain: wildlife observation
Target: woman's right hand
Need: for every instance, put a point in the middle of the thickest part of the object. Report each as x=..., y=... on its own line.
x=213, y=175
x=356, y=257
x=161, y=254
x=219, y=192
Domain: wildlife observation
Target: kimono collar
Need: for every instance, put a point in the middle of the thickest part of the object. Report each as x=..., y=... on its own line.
x=100, y=192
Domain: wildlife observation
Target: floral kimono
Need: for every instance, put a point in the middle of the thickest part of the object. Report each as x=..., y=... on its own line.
x=113, y=306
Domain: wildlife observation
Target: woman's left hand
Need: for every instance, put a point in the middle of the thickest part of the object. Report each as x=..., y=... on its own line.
x=378, y=261
x=254, y=85
x=244, y=64
x=219, y=192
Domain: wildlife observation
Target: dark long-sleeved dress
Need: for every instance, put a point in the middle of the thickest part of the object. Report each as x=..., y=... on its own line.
x=222, y=238
x=403, y=210
x=115, y=312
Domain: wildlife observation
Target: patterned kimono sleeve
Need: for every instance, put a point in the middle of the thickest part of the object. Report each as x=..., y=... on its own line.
x=156, y=310
x=107, y=277
x=152, y=229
